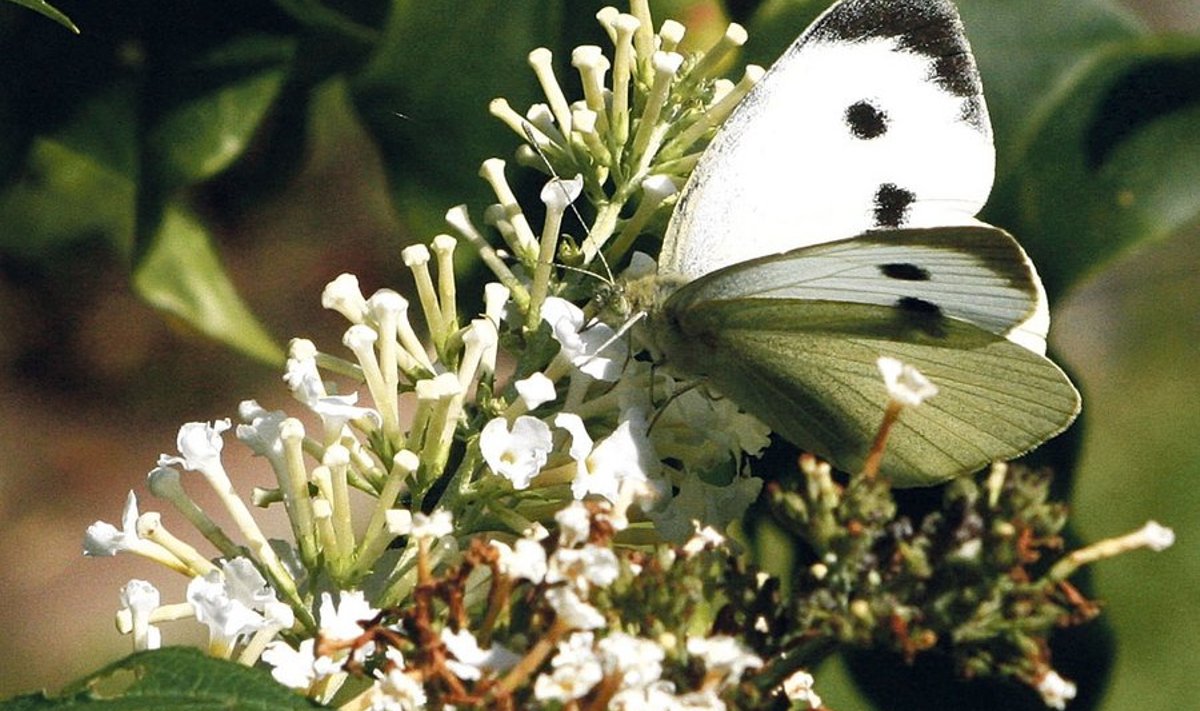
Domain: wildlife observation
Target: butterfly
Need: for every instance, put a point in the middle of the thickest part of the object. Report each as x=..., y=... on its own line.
x=831, y=221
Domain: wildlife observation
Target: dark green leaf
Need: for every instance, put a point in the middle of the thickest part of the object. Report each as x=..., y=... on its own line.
x=424, y=94
x=181, y=274
x=171, y=678
x=50, y=11
x=213, y=109
x=1110, y=159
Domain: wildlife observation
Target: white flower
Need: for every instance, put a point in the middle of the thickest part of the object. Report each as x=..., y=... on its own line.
x=580, y=345
x=261, y=431
x=294, y=668
x=141, y=598
x=698, y=430
x=572, y=610
x=344, y=296
x=397, y=691
x=724, y=654
x=470, y=662
x=225, y=600
x=535, y=390
x=305, y=382
x=526, y=558
x=340, y=622
x=581, y=567
x=436, y=525
x=799, y=687
x=637, y=660
x=905, y=384
x=104, y=539
x=574, y=524
x=200, y=444
x=575, y=669
x=705, y=537
x=1055, y=690
x=1157, y=537
x=517, y=454
x=601, y=468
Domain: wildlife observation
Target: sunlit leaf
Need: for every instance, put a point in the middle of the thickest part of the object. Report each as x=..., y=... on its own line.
x=181, y=274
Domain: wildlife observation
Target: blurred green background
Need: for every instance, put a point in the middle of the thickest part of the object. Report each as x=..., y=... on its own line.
x=179, y=181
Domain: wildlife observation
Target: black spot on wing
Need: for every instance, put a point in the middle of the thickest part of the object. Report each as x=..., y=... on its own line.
x=866, y=120
x=928, y=27
x=891, y=205
x=921, y=315
x=904, y=271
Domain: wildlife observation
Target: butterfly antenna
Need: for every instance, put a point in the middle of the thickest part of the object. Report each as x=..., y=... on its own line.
x=529, y=137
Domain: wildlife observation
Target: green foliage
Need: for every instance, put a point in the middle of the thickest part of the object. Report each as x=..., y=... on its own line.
x=174, y=677
x=49, y=11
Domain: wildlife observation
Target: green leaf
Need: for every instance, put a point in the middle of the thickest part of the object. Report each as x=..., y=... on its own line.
x=171, y=678
x=180, y=273
x=213, y=109
x=425, y=92
x=50, y=11
x=1110, y=160
x=77, y=183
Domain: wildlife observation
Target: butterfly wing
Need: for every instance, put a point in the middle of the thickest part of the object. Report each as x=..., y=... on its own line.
x=794, y=339
x=873, y=118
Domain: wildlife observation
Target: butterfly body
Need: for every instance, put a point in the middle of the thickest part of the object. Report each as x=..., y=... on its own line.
x=831, y=221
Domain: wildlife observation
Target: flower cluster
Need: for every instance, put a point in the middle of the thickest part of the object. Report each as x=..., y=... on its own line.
x=516, y=510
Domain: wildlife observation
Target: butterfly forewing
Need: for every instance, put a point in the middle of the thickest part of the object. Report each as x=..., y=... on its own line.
x=873, y=118
x=976, y=274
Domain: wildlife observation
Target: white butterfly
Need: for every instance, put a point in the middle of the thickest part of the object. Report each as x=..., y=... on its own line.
x=831, y=221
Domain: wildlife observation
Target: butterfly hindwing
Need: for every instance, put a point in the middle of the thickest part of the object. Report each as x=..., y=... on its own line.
x=808, y=369
x=874, y=118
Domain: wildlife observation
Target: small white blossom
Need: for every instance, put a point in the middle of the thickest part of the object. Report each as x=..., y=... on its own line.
x=575, y=669
x=705, y=537
x=1055, y=690
x=341, y=622
x=799, y=687
x=261, y=431
x=572, y=610
x=637, y=660
x=294, y=668
x=517, y=454
x=225, y=600
x=601, y=468
x=536, y=390
x=574, y=524
x=104, y=539
x=582, y=567
x=397, y=691
x=724, y=654
x=905, y=384
x=304, y=380
x=141, y=598
x=200, y=445
x=344, y=295
x=659, y=696
x=582, y=346
x=470, y=662
x=1158, y=538
x=436, y=525
x=526, y=559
